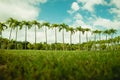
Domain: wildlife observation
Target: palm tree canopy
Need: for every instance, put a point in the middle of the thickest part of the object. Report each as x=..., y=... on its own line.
x=54, y=25
x=47, y=24
x=96, y=32
x=11, y=22
x=36, y=23
x=87, y=29
x=71, y=29
x=112, y=31
x=79, y=28
x=83, y=30
x=27, y=23
x=2, y=26
x=106, y=32
x=63, y=26
x=17, y=23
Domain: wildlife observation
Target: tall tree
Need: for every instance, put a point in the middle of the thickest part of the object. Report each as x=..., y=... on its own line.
x=106, y=32
x=95, y=32
x=36, y=25
x=27, y=25
x=2, y=28
x=55, y=27
x=83, y=31
x=63, y=27
x=18, y=25
x=72, y=30
x=11, y=24
x=87, y=30
x=112, y=32
x=46, y=25
x=80, y=30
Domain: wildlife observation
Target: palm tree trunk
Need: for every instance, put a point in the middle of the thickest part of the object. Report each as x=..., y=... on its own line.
x=95, y=41
x=95, y=38
x=87, y=40
x=26, y=37
x=79, y=37
x=100, y=42
x=112, y=44
x=55, y=38
x=1, y=34
x=79, y=40
x=99, y=37
x=86, y=37
x=63, y=38
x=1, y=40
x=55, y=35
x=35, y=36
x=106, y=41
x=70, y=38
x=10, y=34
x=46, y=36
x=16, y=37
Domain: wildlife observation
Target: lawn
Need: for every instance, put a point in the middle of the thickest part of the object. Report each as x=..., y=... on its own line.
x=59, y=65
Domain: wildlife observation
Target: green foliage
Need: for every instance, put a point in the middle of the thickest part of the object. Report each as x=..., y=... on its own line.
x=59, y=65
x=19, y=46
x=11, y=46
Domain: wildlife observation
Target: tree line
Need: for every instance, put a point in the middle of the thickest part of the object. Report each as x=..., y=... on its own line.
x=14, y=24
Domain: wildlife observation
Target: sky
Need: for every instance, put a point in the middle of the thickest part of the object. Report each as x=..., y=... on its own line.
x=93, y=14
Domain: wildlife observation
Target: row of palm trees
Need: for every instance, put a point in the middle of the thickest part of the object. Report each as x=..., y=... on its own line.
x=14, y=24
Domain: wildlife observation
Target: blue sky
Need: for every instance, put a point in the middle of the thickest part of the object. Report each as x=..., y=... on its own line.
x=93, y=14
x=54, y=11
x=59, y=11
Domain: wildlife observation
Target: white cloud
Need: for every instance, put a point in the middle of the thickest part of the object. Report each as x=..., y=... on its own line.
x=89, y=5
x=82, y=1
x=78, y=16
x=107, y=23
x=116, y=9
x=74, y=8
x=20, y=9
x=116, y=3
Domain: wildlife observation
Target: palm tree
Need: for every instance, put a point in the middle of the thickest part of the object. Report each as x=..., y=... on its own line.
x=99, y=33
x=106, y=32
x=87, y=30
x=46, y=24
x=55, y=27
x=16, y=24
x=83, y=31
x=95, y=32
x=72, y=30
x=80, y=30
x=11, y=24
x=27, y=25
x=36, y=24
x=112, y=32
x=2, y=28
x=63, y=27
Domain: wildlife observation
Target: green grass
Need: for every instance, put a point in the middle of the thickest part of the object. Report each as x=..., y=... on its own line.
x=59, y=65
